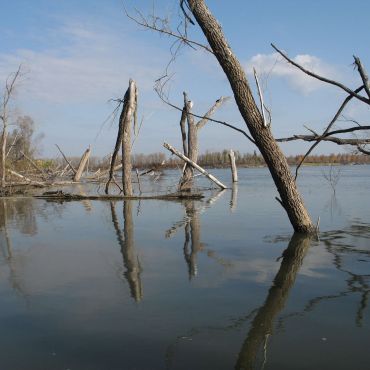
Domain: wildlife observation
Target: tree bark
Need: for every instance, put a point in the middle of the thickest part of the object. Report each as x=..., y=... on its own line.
x=193, y=164
x=3, y=156
x=234, y=171
x=265, y=142
x=82, y=164
x=126, y=141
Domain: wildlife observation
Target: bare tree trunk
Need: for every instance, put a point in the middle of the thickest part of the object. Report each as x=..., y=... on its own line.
x=186, y=182
x=234, y=171
x=126, y=141
x=3, y=156
x=82, y=164
x=266, y=143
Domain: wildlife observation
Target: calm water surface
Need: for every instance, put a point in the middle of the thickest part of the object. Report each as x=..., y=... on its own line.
x=212, y=284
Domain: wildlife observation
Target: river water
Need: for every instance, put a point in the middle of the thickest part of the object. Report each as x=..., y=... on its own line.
x=213, y=284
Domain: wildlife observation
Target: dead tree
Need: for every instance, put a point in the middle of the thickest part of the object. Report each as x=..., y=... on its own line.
x=190, y=139
x=291, y=199
x=80, y=169
x=4, y=118
x=128, y=114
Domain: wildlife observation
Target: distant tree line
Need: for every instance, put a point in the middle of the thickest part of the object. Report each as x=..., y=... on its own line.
x=221, y=159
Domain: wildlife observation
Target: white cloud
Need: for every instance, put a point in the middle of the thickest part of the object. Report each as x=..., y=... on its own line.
x=274, y=65
x=89, y=64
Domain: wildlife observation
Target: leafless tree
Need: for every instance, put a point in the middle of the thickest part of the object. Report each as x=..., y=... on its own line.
x=190, y=138
x=8, y=93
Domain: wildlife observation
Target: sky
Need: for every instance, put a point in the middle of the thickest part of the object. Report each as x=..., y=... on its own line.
x=77, y=56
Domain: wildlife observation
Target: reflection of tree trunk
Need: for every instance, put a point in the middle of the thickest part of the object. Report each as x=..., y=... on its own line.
x=192, y=233
x=4, y=226
x=234, y=197
x=262, y=325
x=126, y=242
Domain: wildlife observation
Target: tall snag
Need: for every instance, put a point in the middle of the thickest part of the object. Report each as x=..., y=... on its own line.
x=128, y=114
x=190, y=140
x=290, y=198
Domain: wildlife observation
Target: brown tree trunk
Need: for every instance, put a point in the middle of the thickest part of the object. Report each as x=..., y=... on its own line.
x=126, y=141
x=82, y=164
x=265, y=142
x=192, y=148
x=3, y=157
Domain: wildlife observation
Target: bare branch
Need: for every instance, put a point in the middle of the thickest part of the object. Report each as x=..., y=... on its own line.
x=211, y=111
x=363, y=74
x=166, y=101
x=261, y=98
x=331, y=123
x=362, y=150
x=321, y=78
x=179, y=36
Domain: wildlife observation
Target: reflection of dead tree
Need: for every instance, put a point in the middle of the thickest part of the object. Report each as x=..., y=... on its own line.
x=8, y=254
x=332, y=176
x=4, y=118
x=192, y=234
x=126, y=242
x=234, y=197
x=262, y=325
x=128, y=114
x=357, y=283
x=192, y=239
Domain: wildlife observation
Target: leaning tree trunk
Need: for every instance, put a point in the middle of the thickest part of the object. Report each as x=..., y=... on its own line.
x=271, y=152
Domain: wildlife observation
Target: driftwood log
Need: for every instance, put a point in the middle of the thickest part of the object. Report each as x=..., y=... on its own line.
x=196, y=166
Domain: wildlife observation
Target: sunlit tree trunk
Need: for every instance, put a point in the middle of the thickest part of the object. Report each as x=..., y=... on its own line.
x=271, y=152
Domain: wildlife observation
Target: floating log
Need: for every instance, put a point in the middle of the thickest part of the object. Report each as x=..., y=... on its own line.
x=60, y=195
x=196, y=166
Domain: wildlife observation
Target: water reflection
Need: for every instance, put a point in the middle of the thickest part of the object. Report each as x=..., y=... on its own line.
x=9, y=211
x=126, y=241
x=350, y=259
x=234, y=197
x=262, y=325
x=20, y=212
x=192, y=233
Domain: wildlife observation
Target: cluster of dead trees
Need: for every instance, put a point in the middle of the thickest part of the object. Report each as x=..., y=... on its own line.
x=253, y=111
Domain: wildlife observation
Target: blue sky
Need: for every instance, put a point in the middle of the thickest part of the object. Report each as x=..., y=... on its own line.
x=79, y=54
